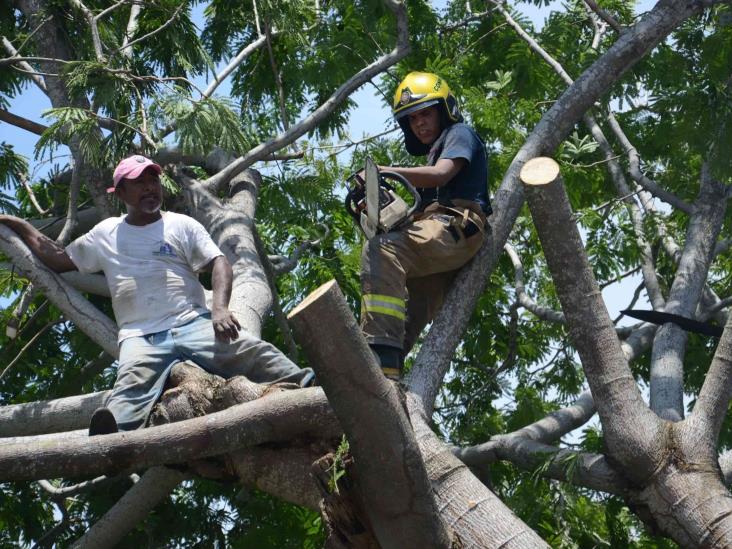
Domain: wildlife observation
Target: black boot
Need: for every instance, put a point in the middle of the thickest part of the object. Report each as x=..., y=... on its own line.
x=390, y=359
x=102, y=422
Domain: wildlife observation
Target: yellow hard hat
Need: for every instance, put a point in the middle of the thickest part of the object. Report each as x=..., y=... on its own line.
x=420, y=90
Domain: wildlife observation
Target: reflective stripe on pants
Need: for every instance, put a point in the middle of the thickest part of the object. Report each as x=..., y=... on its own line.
x=422, y=256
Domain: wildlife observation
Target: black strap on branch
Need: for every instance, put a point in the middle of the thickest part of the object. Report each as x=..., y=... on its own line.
x=687, y=324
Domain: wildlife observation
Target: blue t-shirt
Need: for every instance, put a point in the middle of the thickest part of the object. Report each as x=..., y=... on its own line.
x=471, y=182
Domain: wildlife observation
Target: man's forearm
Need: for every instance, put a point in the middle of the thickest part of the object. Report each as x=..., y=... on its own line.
x=427, y=177
x=221, y=280
x=46, y=249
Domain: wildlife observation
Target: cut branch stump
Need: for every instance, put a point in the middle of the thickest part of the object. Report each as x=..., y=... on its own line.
x=390, y=476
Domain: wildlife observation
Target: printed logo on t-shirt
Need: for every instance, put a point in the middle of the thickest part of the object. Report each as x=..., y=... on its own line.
x=165, y=250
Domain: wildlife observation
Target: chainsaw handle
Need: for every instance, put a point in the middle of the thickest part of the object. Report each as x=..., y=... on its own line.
x=404, y=182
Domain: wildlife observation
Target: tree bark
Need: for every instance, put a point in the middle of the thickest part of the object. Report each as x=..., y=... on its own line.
x=98, y=326
x=676, y=483
x=390, y=477
x=279, y=417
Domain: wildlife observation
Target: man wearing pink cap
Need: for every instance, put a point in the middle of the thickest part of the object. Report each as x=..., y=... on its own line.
x=150, y=259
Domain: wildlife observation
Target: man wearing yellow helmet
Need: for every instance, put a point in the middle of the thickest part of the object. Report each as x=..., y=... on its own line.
x=405, y=273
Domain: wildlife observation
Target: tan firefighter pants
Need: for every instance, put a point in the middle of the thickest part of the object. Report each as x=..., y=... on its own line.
x=405, y=274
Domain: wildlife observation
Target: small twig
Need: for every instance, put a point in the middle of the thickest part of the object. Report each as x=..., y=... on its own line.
x=152, y=33
x=42, y=308
x=277, y=77
x=31, y=194
x=34, y=31
x=633, y=301
x=71, y=222
x=606, y=160
x=131, y=28
x=21, y=59
x=605, y=16
x=64, y=492
x=30, y=342
x=35, y=77
x=49, y=538
x=110, y=9
x=143, y=116
x=620, y=277
x=344, y=146
x=96, y=40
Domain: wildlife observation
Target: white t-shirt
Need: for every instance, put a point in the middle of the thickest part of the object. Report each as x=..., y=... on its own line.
x=151, y=269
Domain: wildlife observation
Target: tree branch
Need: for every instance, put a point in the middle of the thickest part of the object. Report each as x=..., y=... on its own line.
x=132, y=508
x=279, y=416
x=636, y=173
x=618, y=400
x=99, y=327
x=49, y=416
x=283, y=264
x=667, y=368
x=543, y=313
x=150, y=34
x=434, y=357
x=712, y=403
x=132, y=22
x=96, y=40
x=649, y=272
x=23, y=123
x=546, y=430
x=310, y=121
x=391, y=479
x=605, y=16
x=37, y=78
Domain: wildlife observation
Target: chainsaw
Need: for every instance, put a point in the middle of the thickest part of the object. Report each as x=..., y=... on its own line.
x=373, y=202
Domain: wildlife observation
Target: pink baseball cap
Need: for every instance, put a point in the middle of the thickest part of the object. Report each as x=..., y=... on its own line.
x=131, y=168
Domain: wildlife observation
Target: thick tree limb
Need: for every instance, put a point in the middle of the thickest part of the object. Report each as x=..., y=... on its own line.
x=279, y=416
x=49, y=416
x=579, y=468
x=231, y=227
x=434, y=356
x=712, y=403
x=618, y=400
x=99, y=327
x=310, y=121
x=54, y=42
x=616, y=172
x=132, y=508
x=476, y=514
x=132, y=23
x=546, y=430
x=22, y=123
x=669, y=345
x=282, y=472
x=391, y=479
